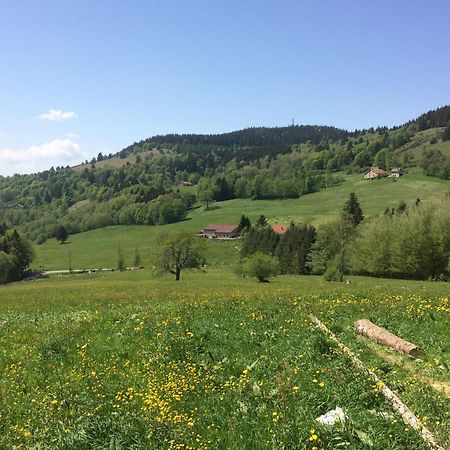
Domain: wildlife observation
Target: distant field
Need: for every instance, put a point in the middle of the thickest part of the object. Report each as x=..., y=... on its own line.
x=131, y=360
x=99, y=248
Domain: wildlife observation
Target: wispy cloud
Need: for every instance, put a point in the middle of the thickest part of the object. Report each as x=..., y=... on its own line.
x=56, y=115
x=40, y=157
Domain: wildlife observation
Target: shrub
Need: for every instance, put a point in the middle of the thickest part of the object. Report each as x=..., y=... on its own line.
x=261, y=266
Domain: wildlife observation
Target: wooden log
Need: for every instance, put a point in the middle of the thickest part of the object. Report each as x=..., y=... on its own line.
x=384, y=337
x=407, y=415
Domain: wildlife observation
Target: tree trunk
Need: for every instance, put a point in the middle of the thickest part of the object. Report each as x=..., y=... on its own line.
x=367, y=328
x=177, y=273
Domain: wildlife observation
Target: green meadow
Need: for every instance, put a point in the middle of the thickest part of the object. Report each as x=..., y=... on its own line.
x=133, y=360
x=99, y=248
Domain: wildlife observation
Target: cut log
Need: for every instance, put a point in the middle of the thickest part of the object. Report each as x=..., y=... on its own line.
x=407, y=415
x=384, y=337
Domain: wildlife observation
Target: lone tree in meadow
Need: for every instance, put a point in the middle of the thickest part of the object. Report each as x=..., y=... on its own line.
x=352, y=210
x=61, y=234
x=120, y=260
x=261, y=266
x=137, y=257
x=181, y=251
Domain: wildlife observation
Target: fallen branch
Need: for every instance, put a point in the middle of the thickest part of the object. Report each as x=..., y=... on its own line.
x=367, y=328
x=407, y=415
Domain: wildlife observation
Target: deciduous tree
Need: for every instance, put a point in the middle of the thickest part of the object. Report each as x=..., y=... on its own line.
x=181, y=251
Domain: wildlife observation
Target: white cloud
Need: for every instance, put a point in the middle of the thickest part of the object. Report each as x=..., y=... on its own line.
x=55, y=115
x=40, y=157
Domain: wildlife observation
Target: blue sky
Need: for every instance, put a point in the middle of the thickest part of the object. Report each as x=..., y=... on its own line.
x=115, y=72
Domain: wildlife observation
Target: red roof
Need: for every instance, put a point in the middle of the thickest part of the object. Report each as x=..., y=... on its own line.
x=221, y=228
x=279, y=229
x=378, y=171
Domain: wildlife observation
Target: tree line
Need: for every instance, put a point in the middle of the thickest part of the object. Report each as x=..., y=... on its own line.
x=409, y=242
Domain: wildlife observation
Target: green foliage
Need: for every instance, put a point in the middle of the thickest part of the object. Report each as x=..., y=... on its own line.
x=205, y=191
x=137, y=257
x=446, y=133
x=294, y=249
x=61, y=234
x=120, y=260
x=331, y=250
x=244, y=223
x=352, y=210
x=181, y=251
x=413, y=245
x=257, y=163
x=435, y=164
x=259, y=239
x=262, y=221
x=261, y=266
x=16, y=254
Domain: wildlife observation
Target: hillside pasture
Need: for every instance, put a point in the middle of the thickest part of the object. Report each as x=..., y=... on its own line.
x=99, y=248
x=130, y=360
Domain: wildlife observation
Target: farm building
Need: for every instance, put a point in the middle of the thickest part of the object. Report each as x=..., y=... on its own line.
x=219, y=231
x=396, y=172
x=375, y=172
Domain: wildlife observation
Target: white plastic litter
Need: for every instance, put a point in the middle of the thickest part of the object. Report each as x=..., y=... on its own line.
x=332, y=417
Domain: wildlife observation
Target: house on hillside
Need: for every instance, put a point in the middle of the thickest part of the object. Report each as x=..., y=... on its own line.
x=375, y=172
x=396, y=172
x=279, y=229
x=219, y=232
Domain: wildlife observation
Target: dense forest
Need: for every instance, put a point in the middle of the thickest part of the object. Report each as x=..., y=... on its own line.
x=256, y=163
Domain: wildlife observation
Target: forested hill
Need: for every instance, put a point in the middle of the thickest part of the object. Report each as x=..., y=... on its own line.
x=296, y=134
x=281, y=136
x=141, y=184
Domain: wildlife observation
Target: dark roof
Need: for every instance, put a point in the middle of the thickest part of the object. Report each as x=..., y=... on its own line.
x=222, y=228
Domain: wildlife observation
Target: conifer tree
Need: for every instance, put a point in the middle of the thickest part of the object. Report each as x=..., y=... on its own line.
x=262, y=221
x=244, y=223
x=61, y=234
x=352, y=210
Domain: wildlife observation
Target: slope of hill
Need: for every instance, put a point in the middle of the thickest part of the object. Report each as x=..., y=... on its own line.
x=141, y=184
x=99, y=248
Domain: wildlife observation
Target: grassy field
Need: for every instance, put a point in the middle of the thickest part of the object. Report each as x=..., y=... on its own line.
x=131, y=360
x=99, y=248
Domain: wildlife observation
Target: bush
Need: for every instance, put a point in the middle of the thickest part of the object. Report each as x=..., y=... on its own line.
x=261, y=266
